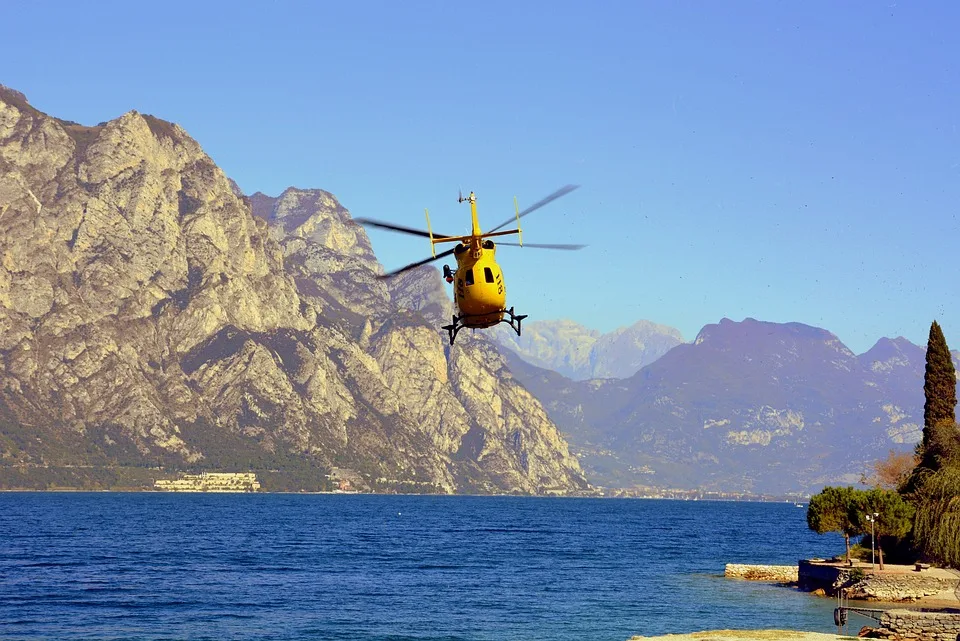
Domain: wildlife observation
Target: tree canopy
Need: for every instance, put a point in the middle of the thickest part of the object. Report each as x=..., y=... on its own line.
x=830, y=511
x=940, y=394
x=937, y=523
x=893, y=517
x=892, y=472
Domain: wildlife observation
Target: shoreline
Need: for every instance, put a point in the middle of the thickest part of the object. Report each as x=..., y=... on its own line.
x=139, y=490
x=748, y=635
x=906, y=602
x=894, y=587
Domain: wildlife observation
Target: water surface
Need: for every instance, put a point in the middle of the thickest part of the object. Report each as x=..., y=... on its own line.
x=403, y=568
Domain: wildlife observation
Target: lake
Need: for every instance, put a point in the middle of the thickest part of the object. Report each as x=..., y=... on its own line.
x=114, y=566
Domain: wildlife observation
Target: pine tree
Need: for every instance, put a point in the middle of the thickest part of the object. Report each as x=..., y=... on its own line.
x=892, y=516
x=832, y=511
x=940, y=392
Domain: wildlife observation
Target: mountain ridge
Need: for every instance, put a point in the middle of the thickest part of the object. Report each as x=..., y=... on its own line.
x=751, y=406
x=151, y=320
x=581, y=353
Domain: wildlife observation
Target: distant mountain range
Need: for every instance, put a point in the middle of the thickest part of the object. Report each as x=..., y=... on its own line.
x=754, y=406
x=581, y=353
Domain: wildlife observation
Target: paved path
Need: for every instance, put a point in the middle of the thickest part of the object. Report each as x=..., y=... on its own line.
x=890, y=568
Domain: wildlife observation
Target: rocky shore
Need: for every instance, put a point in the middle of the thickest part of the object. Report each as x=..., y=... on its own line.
x=746, y=635
x=934, y=594
x=927, y=587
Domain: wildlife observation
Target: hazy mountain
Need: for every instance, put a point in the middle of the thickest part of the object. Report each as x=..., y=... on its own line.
x=581, y=353
x=152, y=315
x=747, y=406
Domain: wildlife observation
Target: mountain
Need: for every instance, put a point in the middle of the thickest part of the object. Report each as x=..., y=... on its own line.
x=580, y=353
x=749, y=406
x=154, y=319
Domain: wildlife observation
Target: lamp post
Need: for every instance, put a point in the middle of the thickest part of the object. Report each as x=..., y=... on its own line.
x=872, y=519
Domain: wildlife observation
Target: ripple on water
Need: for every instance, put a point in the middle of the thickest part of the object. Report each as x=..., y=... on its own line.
x=297, y=567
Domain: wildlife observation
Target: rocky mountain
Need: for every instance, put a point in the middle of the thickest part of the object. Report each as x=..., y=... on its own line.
x=748, y=406
x=580, y=353
x=153, y=319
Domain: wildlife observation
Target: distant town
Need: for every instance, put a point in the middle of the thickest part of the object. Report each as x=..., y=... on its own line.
x=211, y=482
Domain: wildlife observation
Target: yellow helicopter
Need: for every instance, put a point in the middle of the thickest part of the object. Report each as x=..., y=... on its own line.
x=479, y=292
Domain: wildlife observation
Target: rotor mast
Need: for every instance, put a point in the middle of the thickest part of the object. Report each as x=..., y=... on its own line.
x=476, y=231
x=475, y=239
x=476, y=234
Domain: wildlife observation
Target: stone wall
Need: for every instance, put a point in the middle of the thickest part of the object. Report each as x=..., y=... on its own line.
x=909, y=624
x=813, y=575
x=903, y=587
x=777, y=573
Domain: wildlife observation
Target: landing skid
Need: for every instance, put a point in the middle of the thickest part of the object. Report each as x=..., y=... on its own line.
x=514, y=322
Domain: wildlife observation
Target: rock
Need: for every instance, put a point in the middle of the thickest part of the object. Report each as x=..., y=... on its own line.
x=745, y=635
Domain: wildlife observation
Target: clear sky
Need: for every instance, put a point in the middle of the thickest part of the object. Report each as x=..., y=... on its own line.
x=786, y=161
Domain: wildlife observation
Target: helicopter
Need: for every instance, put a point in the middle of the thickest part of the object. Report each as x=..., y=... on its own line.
x=479, y=291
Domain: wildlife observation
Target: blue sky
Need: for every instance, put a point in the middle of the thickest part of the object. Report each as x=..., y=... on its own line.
x=782, y=161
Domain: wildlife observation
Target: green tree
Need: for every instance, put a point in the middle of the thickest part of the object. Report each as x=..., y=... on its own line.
x=943, y=444
x=831, y=510
x=893, y=517
x=936, y=526
x=940, y=394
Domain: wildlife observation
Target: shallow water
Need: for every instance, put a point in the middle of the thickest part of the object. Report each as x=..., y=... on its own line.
x=298, y=567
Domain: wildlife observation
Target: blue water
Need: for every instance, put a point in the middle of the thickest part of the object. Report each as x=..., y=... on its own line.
x=403, y=568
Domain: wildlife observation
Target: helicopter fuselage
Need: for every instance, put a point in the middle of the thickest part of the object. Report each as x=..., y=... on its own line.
x=478, y=290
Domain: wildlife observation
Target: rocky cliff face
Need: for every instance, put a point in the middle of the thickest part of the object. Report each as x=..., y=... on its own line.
x=580, y=353
x=147, y=315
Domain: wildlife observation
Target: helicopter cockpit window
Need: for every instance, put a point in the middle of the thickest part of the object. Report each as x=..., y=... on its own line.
x=488, y=274
x=469, y=277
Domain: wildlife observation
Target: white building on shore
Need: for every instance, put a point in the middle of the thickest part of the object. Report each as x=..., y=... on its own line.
x=211, y=482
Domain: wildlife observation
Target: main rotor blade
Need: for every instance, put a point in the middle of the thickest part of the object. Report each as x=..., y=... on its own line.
x=544, y=246
x=400, y=228
x=417, y=264
x=563, y=191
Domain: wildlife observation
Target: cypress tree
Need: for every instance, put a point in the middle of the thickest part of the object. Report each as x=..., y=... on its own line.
x=939, y=382
x=940, y=393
